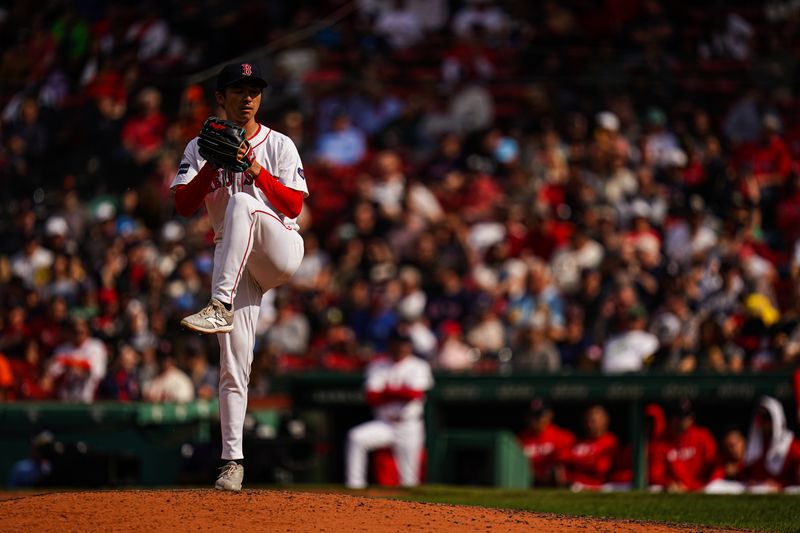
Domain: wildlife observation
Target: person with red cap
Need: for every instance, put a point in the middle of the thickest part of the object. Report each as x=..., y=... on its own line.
x=454, y=354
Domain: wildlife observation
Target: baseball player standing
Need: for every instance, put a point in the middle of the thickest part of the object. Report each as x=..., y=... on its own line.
x=395, y=388
x=253, y=202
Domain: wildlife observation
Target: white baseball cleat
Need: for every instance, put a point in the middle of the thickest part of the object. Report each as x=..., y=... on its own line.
x=231, y=477
x=214, y=318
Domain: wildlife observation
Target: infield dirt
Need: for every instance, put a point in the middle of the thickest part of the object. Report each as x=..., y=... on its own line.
x=277, y=511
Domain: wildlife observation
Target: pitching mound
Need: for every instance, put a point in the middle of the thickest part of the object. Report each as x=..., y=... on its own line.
x=274, y=511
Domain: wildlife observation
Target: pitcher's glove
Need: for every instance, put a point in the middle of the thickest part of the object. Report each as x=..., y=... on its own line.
x=220, y=143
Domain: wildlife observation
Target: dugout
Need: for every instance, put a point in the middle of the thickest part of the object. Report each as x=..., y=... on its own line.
x=487, y=404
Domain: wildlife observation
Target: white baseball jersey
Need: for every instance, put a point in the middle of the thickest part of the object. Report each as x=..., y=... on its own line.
x=256, y=248
x=273, y=150
x=397, y=425
x=410, y=372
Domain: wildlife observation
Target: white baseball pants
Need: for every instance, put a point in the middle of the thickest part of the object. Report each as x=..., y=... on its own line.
x=406, y=439
x=257, y=252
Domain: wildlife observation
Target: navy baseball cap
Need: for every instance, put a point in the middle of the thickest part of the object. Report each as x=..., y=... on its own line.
x=539, y=406
x=236, y=72
x=399, y=334
x=680, y=408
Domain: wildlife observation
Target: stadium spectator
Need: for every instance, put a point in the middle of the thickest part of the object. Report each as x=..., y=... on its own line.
x=373, y=107
x=633, y=348
x=469, y=58
x=344, y=146
x=534, y=351
x=29, y=140
x=7, y=379
x=290, y=332
x=730, y=38
x=582, y=253
x=544, y=443
x=482, y=15
x=487, y=334
x=149, y=35
x=454, y=354
x=576, y=349
x=399, y=25
x=77, y=366
x=679, y=174
x=122, y=381
x=204, y=375
x=32, y=263
x=532, y=296
x=143, y=134
x=27, y=374
x=16, y=332
x=386, y=185
x=171, y=384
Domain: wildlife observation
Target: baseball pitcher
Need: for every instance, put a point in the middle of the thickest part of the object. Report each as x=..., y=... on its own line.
x=251, y=180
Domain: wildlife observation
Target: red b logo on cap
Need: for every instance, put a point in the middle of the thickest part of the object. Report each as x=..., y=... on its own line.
x=247, y=70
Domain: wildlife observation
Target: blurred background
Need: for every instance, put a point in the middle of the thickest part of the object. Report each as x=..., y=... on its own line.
x=588, y=202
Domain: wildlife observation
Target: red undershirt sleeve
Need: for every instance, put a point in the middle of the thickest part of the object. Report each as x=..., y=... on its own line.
x=375, y=398
x=288, y=201
x=404, y=394
x=190, y=196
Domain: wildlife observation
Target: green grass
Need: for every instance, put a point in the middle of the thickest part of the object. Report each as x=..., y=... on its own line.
x=774, y=512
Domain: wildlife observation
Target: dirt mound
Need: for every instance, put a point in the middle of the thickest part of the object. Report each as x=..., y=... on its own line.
x=274, y=511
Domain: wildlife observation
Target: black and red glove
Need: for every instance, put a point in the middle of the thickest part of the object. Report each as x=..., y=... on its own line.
x=220, y=143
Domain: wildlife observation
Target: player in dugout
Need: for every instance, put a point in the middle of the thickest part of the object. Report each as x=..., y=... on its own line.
x=395, y=388
x=690, y=450
x=587, y=464
x=544, y=443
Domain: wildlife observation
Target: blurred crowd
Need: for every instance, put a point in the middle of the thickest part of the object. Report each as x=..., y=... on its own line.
x=530, y=187
x=681, y=455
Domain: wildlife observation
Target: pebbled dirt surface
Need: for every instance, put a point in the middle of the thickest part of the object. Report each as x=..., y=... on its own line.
x=276, y=511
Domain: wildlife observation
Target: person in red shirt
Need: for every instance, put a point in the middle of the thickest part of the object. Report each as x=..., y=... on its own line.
x=772, y=456
x=770, y=158
x=544, y=443
x=730, y=459
x=622, y=473
x=726, y=476
x=690, y=450
x=588, y=462
x=143, y=134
